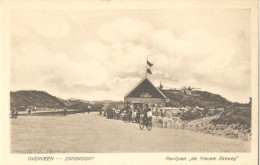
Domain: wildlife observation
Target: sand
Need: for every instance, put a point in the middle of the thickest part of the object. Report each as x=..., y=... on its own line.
x=90, y=133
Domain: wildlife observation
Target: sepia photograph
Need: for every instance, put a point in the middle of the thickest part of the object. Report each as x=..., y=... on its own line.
x=132, y=80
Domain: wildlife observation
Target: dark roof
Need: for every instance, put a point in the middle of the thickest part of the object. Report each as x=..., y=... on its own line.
x=143, y=88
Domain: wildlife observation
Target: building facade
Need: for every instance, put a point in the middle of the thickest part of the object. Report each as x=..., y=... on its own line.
x=145, y=93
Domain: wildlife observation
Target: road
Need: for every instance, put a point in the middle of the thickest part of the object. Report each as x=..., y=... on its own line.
x=90, y=133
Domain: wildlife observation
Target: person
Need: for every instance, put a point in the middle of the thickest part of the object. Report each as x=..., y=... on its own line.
x=137, y=114
x=104, y=112
x=14, y=113
x=34, y=108
x=130, y=112
x=154, y=110
x=161, y=115
x=166, y=117
x=100, y=111
x=65, y=112
x=134, y=115
x=29, y=111
x=127, y=113
x=117, y=110
x=89, y=107
x=160, y=112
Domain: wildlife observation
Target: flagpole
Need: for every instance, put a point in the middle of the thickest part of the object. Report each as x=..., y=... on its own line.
x=146, y=67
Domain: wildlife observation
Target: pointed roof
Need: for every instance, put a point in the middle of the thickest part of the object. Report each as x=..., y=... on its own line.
x=145, y=88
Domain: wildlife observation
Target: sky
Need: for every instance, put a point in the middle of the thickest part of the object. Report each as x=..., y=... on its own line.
x=101, y=54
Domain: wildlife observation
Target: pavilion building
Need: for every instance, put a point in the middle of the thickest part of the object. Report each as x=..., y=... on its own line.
x=145, y=93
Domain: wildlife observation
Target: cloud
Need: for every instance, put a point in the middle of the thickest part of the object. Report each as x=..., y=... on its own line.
x=125, y=30
x=48, y=53
x=37, y=66
x=46, y=24
x=196, y=57
x=191, y=48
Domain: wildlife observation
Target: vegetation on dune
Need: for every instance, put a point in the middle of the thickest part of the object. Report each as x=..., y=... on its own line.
x=96, y=107
x=190, y=115
x=76, y=104
x=235, y=115
x=197, y=98
x=23, y=99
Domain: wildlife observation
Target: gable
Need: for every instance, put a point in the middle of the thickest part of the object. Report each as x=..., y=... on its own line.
x=145, y=89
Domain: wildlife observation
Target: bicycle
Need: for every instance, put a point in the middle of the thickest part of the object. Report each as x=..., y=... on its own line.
x=147, y=123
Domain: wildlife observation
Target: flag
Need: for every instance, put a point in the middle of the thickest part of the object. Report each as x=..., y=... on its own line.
x=150, y=64
x=149, y=71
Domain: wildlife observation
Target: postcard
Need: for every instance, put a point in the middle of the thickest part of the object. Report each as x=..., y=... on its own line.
x=129, y=82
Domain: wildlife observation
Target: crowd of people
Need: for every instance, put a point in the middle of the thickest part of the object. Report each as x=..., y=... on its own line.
x=171, y=118
x=161, y=117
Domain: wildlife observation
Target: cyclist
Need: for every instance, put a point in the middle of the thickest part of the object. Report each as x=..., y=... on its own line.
x=145, y=111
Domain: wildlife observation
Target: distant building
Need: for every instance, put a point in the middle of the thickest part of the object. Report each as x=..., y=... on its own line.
x=145, y=93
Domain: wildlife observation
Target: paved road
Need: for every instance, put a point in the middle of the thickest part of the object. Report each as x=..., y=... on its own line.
x=88, y=133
